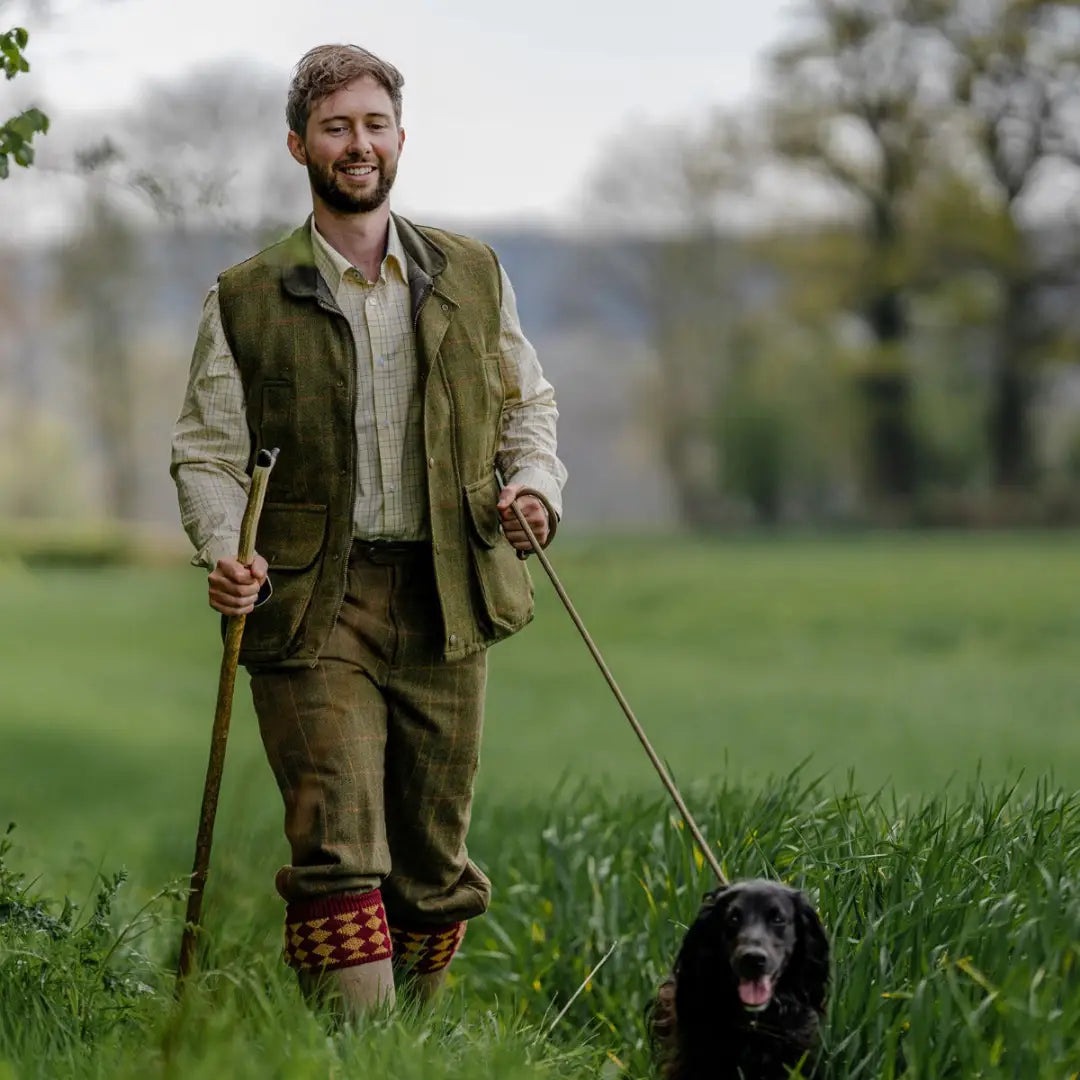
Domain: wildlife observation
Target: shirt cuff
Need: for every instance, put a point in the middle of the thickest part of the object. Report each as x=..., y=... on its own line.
x=217, y=547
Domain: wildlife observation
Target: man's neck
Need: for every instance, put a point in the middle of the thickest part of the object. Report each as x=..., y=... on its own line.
x=361, y=238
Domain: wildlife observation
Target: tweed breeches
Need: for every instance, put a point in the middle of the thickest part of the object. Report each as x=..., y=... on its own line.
x=375, y=751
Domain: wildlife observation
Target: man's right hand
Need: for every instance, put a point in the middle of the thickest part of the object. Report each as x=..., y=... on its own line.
x=234, y=587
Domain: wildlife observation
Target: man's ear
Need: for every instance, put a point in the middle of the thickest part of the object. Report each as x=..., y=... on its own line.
x=296, y=148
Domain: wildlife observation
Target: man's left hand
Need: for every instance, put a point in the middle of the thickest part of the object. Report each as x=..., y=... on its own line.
x=532, y=509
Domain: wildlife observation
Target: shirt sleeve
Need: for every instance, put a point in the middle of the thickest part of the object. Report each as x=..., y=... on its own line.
x=211, y=445
x=527, y=448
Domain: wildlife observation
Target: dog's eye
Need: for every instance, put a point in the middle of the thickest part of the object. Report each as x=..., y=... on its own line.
x=733, y=920
x=776, y=917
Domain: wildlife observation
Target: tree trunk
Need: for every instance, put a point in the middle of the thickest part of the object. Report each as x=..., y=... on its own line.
x=695, y=501
x=1008, y=430
x=891, y=448
x=691, y=321
x=102, y=271
x=891, y=467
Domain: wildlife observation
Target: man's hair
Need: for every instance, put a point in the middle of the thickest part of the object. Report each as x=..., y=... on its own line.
x=325, y=69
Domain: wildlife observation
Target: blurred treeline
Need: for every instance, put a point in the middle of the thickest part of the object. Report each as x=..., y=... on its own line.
x=98, y=319
x=857, y=296
x=863, y=287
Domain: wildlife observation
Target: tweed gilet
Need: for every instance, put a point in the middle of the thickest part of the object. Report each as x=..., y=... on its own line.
x=296, y=358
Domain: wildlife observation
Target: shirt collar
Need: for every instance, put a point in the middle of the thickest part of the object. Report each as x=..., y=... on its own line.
x=333, y=265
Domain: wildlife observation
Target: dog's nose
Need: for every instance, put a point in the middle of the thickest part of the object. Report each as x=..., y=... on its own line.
x=751, y=962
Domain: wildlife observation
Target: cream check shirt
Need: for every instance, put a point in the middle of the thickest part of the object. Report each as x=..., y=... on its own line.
x=211, y=443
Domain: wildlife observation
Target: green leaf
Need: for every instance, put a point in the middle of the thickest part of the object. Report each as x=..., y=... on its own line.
x=26, y=125
x=3, y=167
x=39, y=119
x=16, y=136
x=11, y=44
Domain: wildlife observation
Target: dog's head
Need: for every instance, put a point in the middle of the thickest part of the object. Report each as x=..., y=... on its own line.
x=754, y=941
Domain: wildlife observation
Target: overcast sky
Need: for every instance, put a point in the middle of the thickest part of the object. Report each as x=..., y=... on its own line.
x=508, y=104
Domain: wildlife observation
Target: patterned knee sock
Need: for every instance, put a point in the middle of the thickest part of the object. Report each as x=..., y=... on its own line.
x=337, y=932
x=422, y=951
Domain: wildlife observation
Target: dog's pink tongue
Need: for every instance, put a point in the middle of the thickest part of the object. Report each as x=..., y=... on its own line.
x=755, y=992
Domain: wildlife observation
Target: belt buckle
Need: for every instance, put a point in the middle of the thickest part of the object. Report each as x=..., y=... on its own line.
x=371, y=550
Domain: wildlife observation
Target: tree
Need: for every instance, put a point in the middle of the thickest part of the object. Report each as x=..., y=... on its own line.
x=102, y=283
x=175, y=185
x=854, y=103
x=668, y=257
x=1016, y=89
x=947, y=122
x=208, y=149
x=17, y=134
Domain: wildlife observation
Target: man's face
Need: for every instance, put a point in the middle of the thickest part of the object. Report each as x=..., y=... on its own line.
x=351, y=147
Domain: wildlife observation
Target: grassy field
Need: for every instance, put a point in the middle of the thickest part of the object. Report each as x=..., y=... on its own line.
x=898, y=670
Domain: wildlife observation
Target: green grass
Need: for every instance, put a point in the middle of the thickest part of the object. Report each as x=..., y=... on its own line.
x=911, y=664
x=953, y=925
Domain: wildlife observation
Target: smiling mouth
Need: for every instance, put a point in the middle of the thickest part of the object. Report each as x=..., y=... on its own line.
x=755, y=994
x=357, y=171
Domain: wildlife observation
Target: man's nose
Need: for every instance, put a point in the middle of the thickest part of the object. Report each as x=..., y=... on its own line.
x=359, y=141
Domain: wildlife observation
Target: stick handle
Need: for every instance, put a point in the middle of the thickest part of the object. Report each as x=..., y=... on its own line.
x=658, y=765
x=234, y=632
x=249, y=525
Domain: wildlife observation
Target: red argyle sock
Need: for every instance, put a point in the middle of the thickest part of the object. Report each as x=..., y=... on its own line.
x=337, y=931
x=427, y=950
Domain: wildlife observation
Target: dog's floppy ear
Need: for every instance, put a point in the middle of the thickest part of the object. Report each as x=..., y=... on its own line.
x=696, y=954
x=713, y=897
x=809, y=969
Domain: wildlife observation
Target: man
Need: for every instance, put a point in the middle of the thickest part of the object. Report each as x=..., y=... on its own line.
x=386, y=362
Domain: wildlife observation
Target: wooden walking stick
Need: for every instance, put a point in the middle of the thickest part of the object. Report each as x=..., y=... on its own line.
x=264, y=462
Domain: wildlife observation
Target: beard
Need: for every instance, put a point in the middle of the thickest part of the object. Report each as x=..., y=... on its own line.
x=324, y=183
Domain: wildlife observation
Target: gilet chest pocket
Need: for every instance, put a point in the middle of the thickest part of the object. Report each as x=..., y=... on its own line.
x=278, y=408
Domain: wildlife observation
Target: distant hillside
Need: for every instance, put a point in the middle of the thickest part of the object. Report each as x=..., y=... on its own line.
x=591, y=342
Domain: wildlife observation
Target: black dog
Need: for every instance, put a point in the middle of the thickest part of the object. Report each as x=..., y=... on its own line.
x=747, y=993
